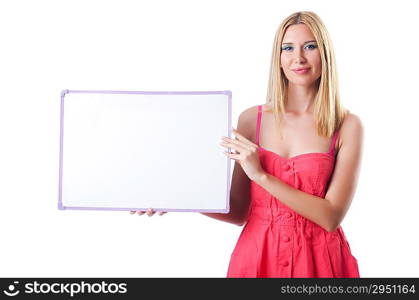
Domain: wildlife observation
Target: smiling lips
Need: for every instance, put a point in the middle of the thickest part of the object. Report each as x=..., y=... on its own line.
x=301, y=70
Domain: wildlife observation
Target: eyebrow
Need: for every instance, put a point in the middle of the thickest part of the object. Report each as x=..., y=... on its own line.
x=304, y=42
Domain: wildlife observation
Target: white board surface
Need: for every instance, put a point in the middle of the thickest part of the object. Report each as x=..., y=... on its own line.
x=123, y=150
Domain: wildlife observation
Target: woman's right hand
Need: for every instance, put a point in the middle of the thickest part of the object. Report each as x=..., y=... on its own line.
x=150, y=212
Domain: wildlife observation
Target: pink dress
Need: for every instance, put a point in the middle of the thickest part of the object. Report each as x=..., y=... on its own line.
x=278, y=242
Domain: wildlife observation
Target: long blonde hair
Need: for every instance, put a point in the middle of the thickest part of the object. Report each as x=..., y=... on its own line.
x=328, y=110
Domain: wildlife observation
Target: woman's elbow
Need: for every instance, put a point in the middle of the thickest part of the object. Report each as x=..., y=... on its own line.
x=240, y=224
x=330, y=229
x=332, y=226
x=240, y=221
x=332, y=222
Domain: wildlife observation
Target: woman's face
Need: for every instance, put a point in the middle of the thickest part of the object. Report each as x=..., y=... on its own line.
x=300, y=50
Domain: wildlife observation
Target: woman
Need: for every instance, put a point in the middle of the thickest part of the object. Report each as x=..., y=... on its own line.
x=297, y=162
x=302, y=181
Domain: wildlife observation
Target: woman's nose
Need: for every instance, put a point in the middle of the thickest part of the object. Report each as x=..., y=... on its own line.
x=299, y=56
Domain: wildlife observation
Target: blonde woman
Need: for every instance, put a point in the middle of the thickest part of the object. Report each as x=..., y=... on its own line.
x=297, y=162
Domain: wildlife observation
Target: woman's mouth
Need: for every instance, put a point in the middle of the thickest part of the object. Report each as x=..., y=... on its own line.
x=301, y=70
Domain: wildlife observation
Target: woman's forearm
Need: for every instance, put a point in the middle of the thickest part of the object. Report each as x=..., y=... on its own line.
x=316, y=209
x=229, y=217
x=238, y=214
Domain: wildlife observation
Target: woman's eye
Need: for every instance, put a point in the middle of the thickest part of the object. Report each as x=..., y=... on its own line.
x=288, y=48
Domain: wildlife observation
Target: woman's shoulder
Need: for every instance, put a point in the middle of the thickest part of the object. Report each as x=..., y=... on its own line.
x=251, y=112
x=247, y=122
x=351, y=128
x=351, y=122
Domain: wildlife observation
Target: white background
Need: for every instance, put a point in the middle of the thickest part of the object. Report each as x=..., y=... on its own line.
x=47, y=46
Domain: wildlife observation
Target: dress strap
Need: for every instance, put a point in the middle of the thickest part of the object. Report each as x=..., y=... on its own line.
x=258, y=123
x=332, y=145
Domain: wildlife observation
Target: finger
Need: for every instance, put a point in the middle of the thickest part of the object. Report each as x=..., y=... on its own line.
x=162, y=213
x=233, y=156
x=140, y=213
x=132, y=212
x=150, y=212
x=238, y=143
x=242, y=138
x=238, y=146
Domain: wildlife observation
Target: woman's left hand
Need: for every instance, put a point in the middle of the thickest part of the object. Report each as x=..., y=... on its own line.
x=246, y=155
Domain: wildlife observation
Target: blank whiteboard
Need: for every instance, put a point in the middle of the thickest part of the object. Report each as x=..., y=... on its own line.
x=122, y=150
